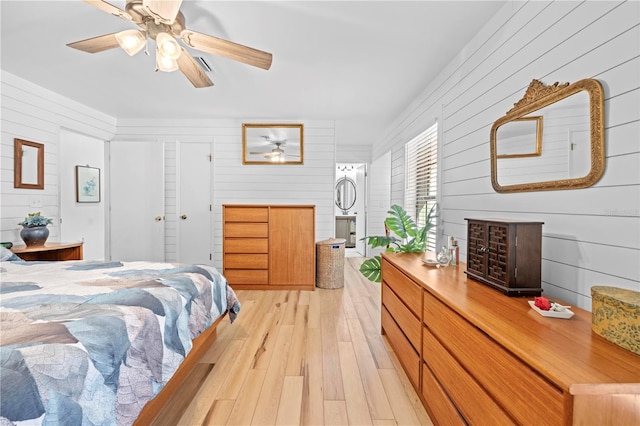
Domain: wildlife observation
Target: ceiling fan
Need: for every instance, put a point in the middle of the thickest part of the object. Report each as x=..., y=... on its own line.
x=276, y=154
x=162, y=21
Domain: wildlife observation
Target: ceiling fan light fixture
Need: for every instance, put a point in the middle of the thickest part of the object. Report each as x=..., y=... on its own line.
x=131, y=41
x=164, y=11
x=168, y=46
x=165, y=64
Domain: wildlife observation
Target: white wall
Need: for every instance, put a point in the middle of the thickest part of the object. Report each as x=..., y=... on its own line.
x=81, y=221
x=33, y=113
x=379, y=198
x=353, y=153
x=310, y=183
x=590, y=236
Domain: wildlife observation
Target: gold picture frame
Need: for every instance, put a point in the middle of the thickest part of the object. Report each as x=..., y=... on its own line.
x=273, y=144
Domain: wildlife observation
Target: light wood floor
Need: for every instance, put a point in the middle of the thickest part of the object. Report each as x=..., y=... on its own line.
x=300, y=357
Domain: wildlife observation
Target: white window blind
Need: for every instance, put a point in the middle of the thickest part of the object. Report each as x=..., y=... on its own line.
x=421, y=178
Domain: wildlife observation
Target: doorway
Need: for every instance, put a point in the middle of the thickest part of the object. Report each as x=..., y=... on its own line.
x=80, y=221
x=350, y=206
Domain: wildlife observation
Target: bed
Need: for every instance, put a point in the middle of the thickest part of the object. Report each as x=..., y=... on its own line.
x=102, y=342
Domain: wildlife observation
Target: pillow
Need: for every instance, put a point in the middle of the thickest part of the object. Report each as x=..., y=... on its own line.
x=7, y=255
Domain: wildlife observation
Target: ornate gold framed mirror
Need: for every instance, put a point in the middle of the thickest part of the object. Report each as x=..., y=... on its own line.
x=553, y=138
x=28, y=164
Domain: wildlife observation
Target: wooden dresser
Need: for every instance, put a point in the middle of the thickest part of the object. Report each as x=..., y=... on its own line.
x=50, y=251
x=477, y=356
x=269, y=246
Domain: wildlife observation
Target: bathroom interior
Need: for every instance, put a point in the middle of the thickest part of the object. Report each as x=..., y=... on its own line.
x=350, y=206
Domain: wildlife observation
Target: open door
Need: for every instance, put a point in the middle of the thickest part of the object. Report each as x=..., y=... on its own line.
x=360, y=207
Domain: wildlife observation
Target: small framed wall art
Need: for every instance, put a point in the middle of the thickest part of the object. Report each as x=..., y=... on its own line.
x=87, y=184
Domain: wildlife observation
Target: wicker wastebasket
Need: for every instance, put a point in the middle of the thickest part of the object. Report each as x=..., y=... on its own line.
x=330, y=267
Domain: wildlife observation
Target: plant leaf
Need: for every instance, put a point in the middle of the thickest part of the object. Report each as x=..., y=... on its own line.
x=400, y=222
x=431, y=217
x=380, y=240
x=415, y=245
x=371, y=269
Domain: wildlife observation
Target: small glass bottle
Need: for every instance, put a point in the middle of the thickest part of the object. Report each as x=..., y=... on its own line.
x=455, y=252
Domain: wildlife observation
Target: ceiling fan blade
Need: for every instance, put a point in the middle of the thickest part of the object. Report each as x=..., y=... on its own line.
x=192, y=70
x=96, y=44
x=228, y=49
x=109, y=8
x=164, y=11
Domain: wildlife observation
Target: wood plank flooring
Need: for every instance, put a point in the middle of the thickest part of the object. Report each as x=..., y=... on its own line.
x=300, y=358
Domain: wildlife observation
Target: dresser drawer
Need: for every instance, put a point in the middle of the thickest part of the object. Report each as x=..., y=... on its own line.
x=246, y=229
x=408, y=291
x=476, y=406
x=402, y=348
x=246, y=261
x=246, y=245
x=407, y=322
x=246, y=214
x=438, y=403
x=247, y=276
x=528, y=397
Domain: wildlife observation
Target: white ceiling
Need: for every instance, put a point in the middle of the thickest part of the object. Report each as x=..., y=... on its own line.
x=359, y=63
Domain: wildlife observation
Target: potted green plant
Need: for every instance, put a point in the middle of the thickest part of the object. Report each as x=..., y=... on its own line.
x=34, y=229
x=408, y=238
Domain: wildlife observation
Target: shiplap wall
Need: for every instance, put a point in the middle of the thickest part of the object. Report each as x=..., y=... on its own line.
x=233, y=182
x=590, y=236
x=36, y=114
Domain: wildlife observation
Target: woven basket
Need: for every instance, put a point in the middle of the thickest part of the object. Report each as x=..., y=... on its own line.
x=330, y=267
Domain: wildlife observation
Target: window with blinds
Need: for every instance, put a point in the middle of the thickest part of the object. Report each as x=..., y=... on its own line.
x=421, y=178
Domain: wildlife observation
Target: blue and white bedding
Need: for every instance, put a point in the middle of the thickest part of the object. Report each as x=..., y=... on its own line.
x=91, y=342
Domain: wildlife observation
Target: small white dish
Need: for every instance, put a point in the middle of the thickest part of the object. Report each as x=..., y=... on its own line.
x=430, y=262
x=564, y=314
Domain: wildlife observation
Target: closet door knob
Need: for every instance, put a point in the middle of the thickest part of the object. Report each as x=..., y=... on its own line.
x=158, y=218
x=183, y=217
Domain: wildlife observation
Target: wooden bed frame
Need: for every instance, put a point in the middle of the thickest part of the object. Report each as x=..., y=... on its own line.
x=201, y=345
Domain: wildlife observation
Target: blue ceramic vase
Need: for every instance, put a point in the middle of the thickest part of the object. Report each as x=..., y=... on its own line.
x=34, y=235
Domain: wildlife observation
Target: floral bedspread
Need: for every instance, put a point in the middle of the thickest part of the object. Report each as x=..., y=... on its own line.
x=92, y=342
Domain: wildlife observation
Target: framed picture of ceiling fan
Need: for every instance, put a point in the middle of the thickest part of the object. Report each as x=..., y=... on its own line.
x=272, y=144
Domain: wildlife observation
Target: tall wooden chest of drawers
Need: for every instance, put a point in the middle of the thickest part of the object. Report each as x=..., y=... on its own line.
x=269, y=246
x=506, y=255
